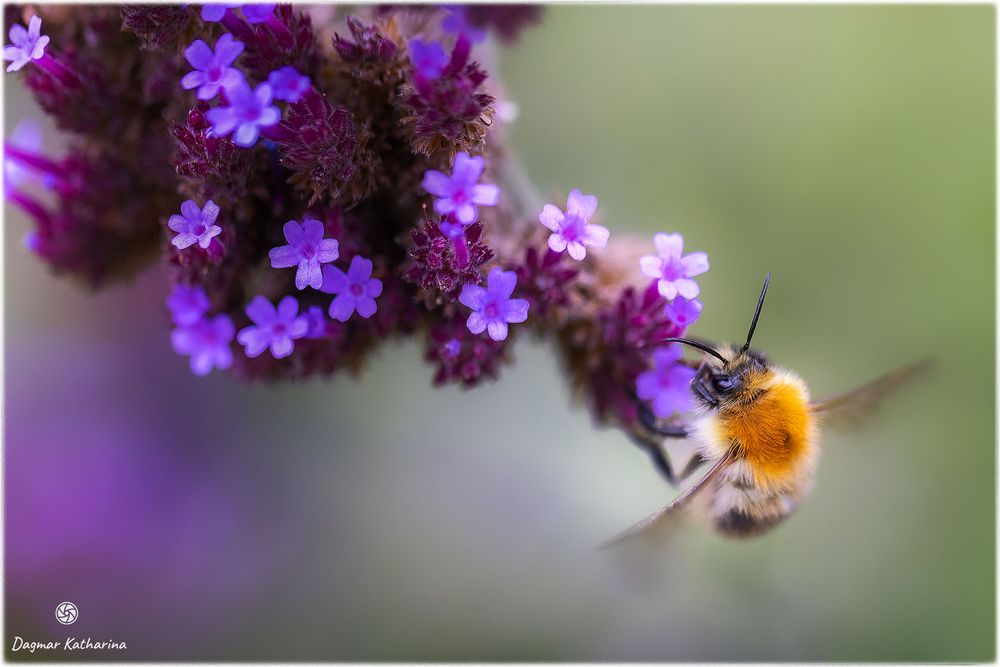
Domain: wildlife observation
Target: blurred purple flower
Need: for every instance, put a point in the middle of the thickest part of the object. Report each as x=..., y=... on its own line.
x=212, y=72
x=428, y=58
x=258, y=13
x=27, y=138
x=317, y=322
x=274, y=328
x=460, y=193
x=674, y=272
x=288, y=84
x=457, y=23
x=195, y=225
x=492, y=308
x=683, y=312
x=572, y=230
x=26, y=45
x=206, y=341
x=187, y=304
x=248, y=111
x=213, y=13
x=667, y=386
x=306, y=249
x=355, y=290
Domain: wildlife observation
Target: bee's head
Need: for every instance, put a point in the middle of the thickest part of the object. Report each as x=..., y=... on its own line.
x=729, y=375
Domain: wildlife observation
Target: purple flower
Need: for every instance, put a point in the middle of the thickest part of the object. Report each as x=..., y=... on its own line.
x=674, y=272
x=668, y=385
x=27, y=138
x=317, y=323
x=460, y=193
x=214, y=13
x=306, y=249
x=288, y=84
x=248, y=111
x=683, y=312
x=572, y=230
x=492, y=308
x=212, y=71
x=355, y=290
x=428, y=58
x=206, y=341
x=26, y=45
x=274, y=328
x=195, y=225
x=457, y=23
x=258, y=13
x=187, y=304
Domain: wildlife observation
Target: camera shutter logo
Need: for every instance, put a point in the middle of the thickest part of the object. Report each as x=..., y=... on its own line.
x=67, y=613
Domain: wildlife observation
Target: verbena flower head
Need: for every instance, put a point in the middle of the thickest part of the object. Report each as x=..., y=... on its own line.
x=187, y=304
x=667, y=386
x=306, y=249
x=212, y=72
x=672, y=271
x=457, y=22
x=206, y=341
x=25, y=45
x=274, y=328
x=195, y=225
x=683, y=312
x=248, y=111
x=492, y=308
x=461, y=193
x=444, y=257
x=213, y=13
x=428, y=58
x=572, y=231
x=356, y=290
x=288, y=84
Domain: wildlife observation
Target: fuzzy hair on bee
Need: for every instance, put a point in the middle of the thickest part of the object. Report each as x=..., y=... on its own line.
x=759, y=428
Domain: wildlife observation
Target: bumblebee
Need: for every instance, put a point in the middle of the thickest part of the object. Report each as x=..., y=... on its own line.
x=759, y=430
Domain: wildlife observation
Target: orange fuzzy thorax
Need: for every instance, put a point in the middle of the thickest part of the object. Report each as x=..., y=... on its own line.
x=776, y=431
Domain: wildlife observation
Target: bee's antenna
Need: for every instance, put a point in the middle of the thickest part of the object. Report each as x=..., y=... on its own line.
x=756, y=313
x=700, y=346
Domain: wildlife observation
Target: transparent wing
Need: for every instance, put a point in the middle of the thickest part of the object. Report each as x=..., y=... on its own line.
x=859, y=403
x=655, y=520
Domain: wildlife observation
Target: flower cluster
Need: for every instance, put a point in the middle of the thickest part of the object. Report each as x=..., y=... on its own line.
x=315, y=197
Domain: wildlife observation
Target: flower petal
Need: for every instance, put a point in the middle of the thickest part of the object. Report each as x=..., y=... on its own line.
x=210, y=212
x=184, y=240
x=667, y=289
x=189, y=80
x=474, y=297
x=557, y=242
x=284, y=257
x=695, y=264
x=581, y=205
x=309, y=274
x=476, y=323
x=687, y=288
x=328, y=250
x=360, y=270
x=366, y=306
x=551, y=217
x=294, y=234
x=651, y=266
x=288, y=308
x=342, y=307
x=596, y=236
x=466, y=213
x=577, y=251
x=501, y=283
x=246, y=135
x=281, y=347
x=497, y=330
x=313, y=231
x=437, y=183
x=254, y=339
x=334, y=280
x=261, y=311
x=199, y=55
x=227, y=49
x=516, y=310
x=647, y=384
x=486, y=194
x=669, y=245
x=373, y=288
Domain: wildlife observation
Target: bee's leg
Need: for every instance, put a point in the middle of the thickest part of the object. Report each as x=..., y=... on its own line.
x=656, y=452
x=653, y=425
x=693, y=464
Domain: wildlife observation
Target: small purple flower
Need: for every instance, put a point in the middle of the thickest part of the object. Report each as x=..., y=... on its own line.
x=428, y=58
x=212, y=72
x=492, y=308
x=258, y=13
x=457, y=23
x=274, y=328
x=667, y=386
x=248, y=111
x=674, y=272
x=572, y=230
x=460, y=193
x=288, y=84
x=355, y=290
x=214, y=13
x=683, y=312
x=195, y=225
x=206, y=341
x=306, y=249
x=317, y=323
x=26, y=45
x=187, y=304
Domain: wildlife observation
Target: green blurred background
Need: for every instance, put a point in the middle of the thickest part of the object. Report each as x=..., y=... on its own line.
x=850, y=151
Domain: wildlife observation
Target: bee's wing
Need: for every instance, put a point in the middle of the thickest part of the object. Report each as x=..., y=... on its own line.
x=656, y=519
x=856, y=404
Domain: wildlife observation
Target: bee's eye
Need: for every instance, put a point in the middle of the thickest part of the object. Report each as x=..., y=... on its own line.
x=722, y=383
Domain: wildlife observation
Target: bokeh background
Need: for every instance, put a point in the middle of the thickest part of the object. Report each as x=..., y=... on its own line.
x=850, y=150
